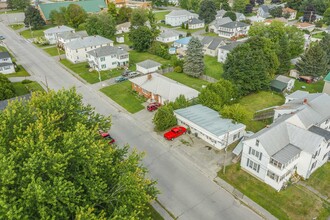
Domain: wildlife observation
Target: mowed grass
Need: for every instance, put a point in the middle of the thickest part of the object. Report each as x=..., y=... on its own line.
x=182, y=78
x=20, y=73
x=82, y=70
x=293, y=203
x=16, y=26
x=154, y=214
x=124, y=96
x=310, y=87
x=161, y=15
x=320, y=180
x=53, y=51
x=259, y=101
x=136, y=57
x=212, y=67
x=35, y=33
x=22, y=89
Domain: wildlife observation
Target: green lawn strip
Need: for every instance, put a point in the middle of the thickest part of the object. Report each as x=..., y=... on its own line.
x=161, y=15
x=91, y=77
x=319, y=35
x=11, y=11
x=16, y=26
x=293, y=203
x=259, y=101
x=136, y=57
x=211, y=34
x=124, y=96
x=3, y=49
x=34, y=86
x=154, y=214
x=35, y=33
x=320, y=180
x=194, y=83
x=212, y=67
x=22, y=89
x=310, y=87
x=189, y=30
x=53, y=51
x=20, y=73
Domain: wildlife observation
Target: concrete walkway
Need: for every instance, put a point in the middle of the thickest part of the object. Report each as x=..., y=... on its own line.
x=314, y=191
x=21, y=78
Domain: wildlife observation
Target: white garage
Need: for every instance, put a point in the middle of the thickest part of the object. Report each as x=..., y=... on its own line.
x=148, y=66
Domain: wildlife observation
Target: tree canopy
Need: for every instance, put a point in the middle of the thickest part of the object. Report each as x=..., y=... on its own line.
x=236, y=112
x=54, y=164
x=239, y=5
x=207, y=11
x=141, y=37
x=194, y=60
x=7, y=90
x=58, y=17
x=231, y=15
x=102, y=24
x=276, y=12
x=18, y=4
x=75, y=15
x=33, y=18
x=325, y=45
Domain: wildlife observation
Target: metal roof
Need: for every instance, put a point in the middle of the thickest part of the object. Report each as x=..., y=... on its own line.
x=147, y=64
x=327, y=78
x=177, y=13
x=72, y=35
x=87, y=42
x=106, y=51
x=4, y=55
x=90, y=6
x=286, y=154
x=322, y=132
x=58, y=29
x=208, y=119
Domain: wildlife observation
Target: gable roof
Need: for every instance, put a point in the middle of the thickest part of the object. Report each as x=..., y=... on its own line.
x=178, y=13
x=147, y=64
x=208, y=119
x=72, y=35
x=297, y=95
x=234, y=24
x=206, y=40
x=184, y=40
x=284, y=79
x=106, y=51
x=231, y=46
x=216, y=42
x=167, y=33
x=4, y=55
x=278, y=85
x=90, y=6
x=164, y=86
x=221, y=13
x=87, y=42
x=221, y=21
x=194, y=21
x=58, y=29
x=322, y=132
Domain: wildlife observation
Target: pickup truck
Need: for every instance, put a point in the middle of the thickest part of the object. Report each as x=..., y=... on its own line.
x=175, y=132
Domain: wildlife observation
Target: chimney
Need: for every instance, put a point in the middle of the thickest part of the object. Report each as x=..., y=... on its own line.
x=149, y=77
x=305, y=101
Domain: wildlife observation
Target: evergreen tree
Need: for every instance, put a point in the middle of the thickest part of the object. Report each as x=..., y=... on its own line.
x=102, y=24
x=7, y=90
x=33, y=18
x=18, y=4
x=239, y=5
x=309, y=14
x=325, y=45
x=207, y=11
x=313, y=62
x=194, y=61
x=284, y=55
x=75, y=15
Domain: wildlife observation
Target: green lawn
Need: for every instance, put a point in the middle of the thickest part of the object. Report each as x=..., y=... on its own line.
x=154, y=214
x=319, y=35
x=16, y=26
x=20, y=73
x=320, y=180
x=35, y=33
x=91, y=77
x=53, y=51
x=194, y=83
x=293, y=203
x=310, y=87
x=11, y=11
x=259, y=101
x=189, y=30
x=136, y=57
x=211, y=34
x=3, y=49
x=161, y=15
x=22, y=89
x=212, y=67
x=124, y=96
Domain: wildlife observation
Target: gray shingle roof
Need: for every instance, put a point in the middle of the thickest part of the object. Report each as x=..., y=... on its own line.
x=87, y=42
x=286, y=154
x=72, y=35
x=106, y=51
x=4, y=55
x=147, y=64
x=208, y=119
x=216, y=42
x=221, y=21
x=166, y=33
x=194, y=21
x=206, y=40
x=234, y=24
x=221, y=13
x=176, y=13
x=4, y=103
x=231, y=46
x=322, y=132
x=297, y=95
x=58, y=29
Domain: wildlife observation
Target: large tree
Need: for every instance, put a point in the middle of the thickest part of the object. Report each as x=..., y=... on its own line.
x=18, y=4
x=54, y=164
x=75, y=15
x=231, y=15
x=207, y=11
x=251, y=65
x=326, y=16
x=313, y=62
x=102, y=24
x=309, y=13
x=58, y=17
x=237, y=113
x=139, y=17
x=141, y=37
x=124, y=14
x=33, y=18
x=283, y=55
x=276, y=12
x=194, y=60
x=7, y=90
x=215, y=95
x=239, y=5
x=325, y=45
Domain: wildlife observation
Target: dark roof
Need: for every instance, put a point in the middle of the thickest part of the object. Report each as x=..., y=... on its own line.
x=278, y=85
x=4, y=55
x=106, y=51
x=231, y=46
x=194, y=21
x=234, y=24
x=322, y=132
x=215, y=43
x=6, y=64
x=206, y=40
x=4, y=103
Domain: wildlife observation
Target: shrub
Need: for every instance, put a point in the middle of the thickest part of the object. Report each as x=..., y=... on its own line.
x=26, y=81
x=178, y=69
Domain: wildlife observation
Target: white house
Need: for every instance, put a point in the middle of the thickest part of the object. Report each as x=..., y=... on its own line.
x=208, y=125
x=305, y=26
x=214, y=25
x=76, y=51
x=123, y=28
x=108, y=57
x=63, y=38
x=168, y=35
x=282, y=83
x=221, y=13
x=211, y=45
x=224, y=50
x=177, y=17
x=161, y=89
x=297, y=142
x=6, y=64
x=256, y=18
x=194, y=23
x=148, y=66
x=240, y=16
x=291, y=12
x=51, y=33
x=233, y=29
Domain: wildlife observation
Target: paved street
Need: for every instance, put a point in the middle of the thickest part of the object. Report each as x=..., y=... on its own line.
x=185, y=191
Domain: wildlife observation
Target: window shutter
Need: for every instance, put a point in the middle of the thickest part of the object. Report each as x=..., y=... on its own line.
x=258, y=168
x=260, y=156
x=250, y=150
x=247, y=163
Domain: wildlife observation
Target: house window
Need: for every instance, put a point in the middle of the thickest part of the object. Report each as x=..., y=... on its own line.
x=272, y=175
x=254, y=166
x=102, y=59
x=276, y=163
x=114, y=63
x=255, y=153
x=76, y=51
x=6, y=67
x=103, y=66
x=257, y=143
x=313, y=165
x=5, y=59
x=325, y=155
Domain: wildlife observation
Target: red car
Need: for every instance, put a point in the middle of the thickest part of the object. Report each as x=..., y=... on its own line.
x=174, y=133
x=107, y=136
x=153, y=106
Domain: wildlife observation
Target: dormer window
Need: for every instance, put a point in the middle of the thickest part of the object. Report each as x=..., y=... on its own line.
x=257, y=143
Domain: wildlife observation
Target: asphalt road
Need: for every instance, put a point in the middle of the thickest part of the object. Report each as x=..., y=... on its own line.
x=185, y=191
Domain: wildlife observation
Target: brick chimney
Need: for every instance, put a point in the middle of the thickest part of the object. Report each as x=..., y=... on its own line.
x=305, y=101
x=149, y=77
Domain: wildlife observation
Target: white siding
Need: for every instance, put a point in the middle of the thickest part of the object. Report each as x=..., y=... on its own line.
x=145, y=71
x=80, y=55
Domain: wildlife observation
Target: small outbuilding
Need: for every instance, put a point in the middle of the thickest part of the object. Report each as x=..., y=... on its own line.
x=148, y=66
x=282, y=83
x=208, y=125
x=326, y=87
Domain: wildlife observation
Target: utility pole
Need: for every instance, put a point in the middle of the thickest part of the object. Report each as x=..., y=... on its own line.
x=226, y=146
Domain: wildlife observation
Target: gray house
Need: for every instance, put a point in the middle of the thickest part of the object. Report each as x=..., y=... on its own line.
x=211, y=45
x=233, y=29
x=226, y=49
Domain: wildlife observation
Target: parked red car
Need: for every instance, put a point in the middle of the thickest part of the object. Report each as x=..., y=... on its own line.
x=153, y=106
x=175, y=132
x=107, y=136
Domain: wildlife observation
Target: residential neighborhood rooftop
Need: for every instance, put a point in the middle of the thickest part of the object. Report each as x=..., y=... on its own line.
x=231, y=46
x=184, y=40
x=58, y=29
x=194, y=21
x=4, y=55
x=234, y=24
x=167, y=33
x=178, y=13
x=106, y=51
x=87, y=42
x=71, y=35
x=147, y=64
x=208, y=119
